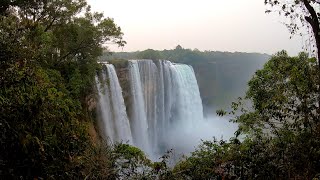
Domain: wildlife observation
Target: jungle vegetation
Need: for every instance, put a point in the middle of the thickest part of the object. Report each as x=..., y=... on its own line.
x=48, y=59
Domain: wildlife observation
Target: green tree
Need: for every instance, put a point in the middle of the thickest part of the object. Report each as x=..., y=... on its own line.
x=178, y=47
x=48, y=60
x=278, y=137
x=284, y=95
x=284, y=116
x=149, y=54
x=278, y=128
x=302, y=13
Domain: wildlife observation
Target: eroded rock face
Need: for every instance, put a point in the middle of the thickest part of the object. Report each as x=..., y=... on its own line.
x=123, y=76
x=91, y=102
x=94, y=135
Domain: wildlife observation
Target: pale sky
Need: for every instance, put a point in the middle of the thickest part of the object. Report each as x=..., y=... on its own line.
x=218, y=25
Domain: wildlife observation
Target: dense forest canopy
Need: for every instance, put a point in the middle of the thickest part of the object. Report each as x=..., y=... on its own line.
x=48, y=59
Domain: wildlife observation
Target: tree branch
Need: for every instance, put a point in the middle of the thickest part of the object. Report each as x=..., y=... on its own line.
x=313, y=20
x=51, y=23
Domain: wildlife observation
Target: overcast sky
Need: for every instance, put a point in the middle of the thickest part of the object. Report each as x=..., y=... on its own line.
x=222, y=25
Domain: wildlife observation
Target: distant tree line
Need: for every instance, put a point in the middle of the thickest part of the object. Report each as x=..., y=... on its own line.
x=222, y=76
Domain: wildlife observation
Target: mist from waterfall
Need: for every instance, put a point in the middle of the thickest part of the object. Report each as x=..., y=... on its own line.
x=164, y=108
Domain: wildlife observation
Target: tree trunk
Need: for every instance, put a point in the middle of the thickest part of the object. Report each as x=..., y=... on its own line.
x=314, y=22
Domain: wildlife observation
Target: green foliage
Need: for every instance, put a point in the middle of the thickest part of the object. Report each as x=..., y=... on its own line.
x=200, y=164
x=284, y=95
x=278, y=138
x=284, y=89
x=130, y=152
x=119, y=63
x=299, y=12
x=303, y=15
x=48, y=60
x=149, y=54
x=129, y=162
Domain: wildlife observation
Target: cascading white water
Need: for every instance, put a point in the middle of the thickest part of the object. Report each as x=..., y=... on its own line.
x=112, y=108
x=139, y=124
x=186, y=110
x=165, y=105
x=161, y=107
x=121, y=121
x=107, y=125
x=187, y=102
x=170, y=97
x=148, y=76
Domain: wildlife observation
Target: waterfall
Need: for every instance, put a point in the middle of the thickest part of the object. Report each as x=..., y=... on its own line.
x=107, y=125
x=139, y=124
x=164, y=103
x=148, y=76
x=165, y=95
x=187, y=103
x=112, y=108
x=121, y=121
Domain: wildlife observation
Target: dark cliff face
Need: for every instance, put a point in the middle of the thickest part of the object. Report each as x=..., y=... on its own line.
x=122, y=71
x=123, y=76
